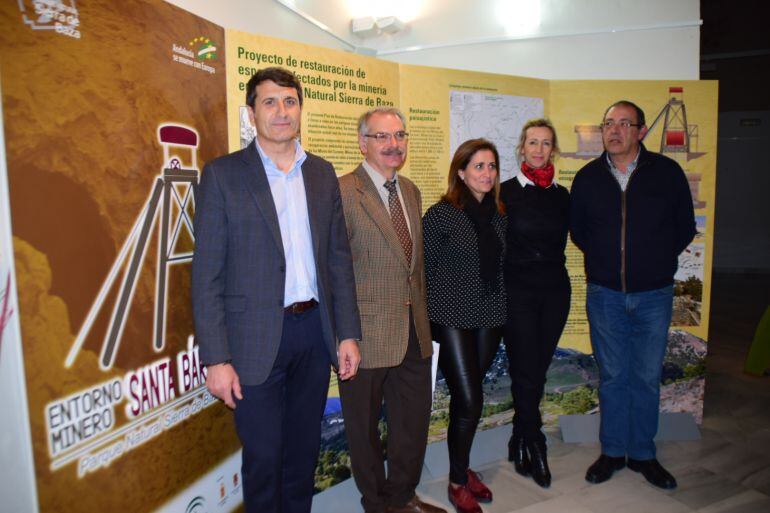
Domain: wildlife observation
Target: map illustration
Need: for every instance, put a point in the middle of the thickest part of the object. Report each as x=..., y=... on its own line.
x=497, y=117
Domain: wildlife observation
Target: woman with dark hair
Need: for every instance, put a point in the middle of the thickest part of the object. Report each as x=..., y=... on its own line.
x=538, y=289
x=464, y=237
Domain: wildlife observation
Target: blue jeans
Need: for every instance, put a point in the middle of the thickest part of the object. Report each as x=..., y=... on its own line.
x=629, y=333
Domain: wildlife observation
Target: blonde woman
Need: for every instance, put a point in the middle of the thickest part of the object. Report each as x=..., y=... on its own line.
x=537, y=287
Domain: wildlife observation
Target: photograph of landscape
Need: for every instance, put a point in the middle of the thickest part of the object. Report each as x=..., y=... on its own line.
x=571, y=388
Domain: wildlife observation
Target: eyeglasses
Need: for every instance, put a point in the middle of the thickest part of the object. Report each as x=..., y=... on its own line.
x=383, y=137
x=623, y=123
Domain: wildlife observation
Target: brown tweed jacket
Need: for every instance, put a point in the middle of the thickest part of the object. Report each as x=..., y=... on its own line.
x=386, y=284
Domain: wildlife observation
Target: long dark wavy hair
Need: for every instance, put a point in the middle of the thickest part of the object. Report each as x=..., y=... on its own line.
x=457, y=192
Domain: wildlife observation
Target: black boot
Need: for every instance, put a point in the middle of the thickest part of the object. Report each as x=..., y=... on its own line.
x=517, y=453
x=539, y=463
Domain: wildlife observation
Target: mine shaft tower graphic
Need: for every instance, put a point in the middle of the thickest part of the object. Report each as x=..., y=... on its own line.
x=164, y=194
x=676, y=134
x=678, y=137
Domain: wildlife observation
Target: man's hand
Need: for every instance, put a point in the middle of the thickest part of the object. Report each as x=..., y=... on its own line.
x=349, y=357
x=222, y=381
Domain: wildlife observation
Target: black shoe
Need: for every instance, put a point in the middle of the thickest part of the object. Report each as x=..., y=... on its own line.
x=517, y=453
x=653, y=472
x=539, y=463
x=603, y=468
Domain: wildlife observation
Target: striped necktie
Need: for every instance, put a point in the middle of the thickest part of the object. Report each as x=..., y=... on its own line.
x=399, y=221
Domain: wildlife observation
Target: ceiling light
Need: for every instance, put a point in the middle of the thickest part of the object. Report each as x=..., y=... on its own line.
x=364, y=27
x=390, y=24
x=369, y=26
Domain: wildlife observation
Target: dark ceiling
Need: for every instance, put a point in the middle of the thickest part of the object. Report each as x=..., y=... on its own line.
x=735, y=49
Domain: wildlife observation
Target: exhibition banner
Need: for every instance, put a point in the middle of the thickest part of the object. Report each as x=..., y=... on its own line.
x=337, y=88
x=682, y=119
x=445, y=107
x=110, y=110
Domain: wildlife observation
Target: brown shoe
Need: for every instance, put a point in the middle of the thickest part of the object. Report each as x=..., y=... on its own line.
x=417, y=506
x=477, y=488
x=463, y=500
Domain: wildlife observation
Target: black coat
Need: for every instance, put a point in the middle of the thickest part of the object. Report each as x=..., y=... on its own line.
x=631, y=240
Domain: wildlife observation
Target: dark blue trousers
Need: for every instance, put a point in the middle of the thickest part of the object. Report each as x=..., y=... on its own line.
x=279, y=421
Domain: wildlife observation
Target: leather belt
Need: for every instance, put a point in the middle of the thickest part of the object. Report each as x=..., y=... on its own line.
x=301, y=306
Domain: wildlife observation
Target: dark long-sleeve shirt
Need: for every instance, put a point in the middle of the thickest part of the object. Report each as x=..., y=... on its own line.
x=536, y=236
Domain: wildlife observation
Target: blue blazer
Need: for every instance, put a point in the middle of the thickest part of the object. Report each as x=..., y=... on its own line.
x=239, y=268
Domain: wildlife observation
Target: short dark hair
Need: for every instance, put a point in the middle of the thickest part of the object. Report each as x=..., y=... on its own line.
x=280, y=76
x=457, y=192
x=625, y=103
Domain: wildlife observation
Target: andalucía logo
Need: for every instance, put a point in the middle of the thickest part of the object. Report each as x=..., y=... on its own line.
x=197, y=505
x=205, y=49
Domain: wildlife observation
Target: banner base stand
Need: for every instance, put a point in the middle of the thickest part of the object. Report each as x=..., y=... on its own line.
x=491, y=445
x=488, y=446
x=671, y=427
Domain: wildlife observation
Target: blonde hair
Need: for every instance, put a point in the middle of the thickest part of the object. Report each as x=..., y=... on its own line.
x=537, y=123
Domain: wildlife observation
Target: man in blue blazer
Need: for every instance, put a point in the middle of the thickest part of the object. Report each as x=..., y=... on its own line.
x=273, y=291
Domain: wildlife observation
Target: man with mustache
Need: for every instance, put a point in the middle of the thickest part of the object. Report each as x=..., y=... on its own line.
x=631, y=214
x=383, y=217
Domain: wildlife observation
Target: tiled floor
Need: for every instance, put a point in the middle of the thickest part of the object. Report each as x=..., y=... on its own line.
x=727, y=471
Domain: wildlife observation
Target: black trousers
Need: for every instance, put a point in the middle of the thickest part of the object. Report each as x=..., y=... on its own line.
x=406, y=390
x=536, y=319
x=464, y=358
x=279, y=421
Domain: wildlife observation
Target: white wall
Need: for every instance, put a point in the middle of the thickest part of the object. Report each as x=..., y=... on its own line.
x=654, y=39
x=637, y=55
x=264, y=17
x=17, y=468
x=575, y=39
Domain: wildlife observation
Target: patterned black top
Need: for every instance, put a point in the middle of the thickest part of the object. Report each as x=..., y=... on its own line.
x=457, y=296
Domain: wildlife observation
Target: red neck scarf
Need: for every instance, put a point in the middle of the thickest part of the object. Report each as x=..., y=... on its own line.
x=542, y=177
